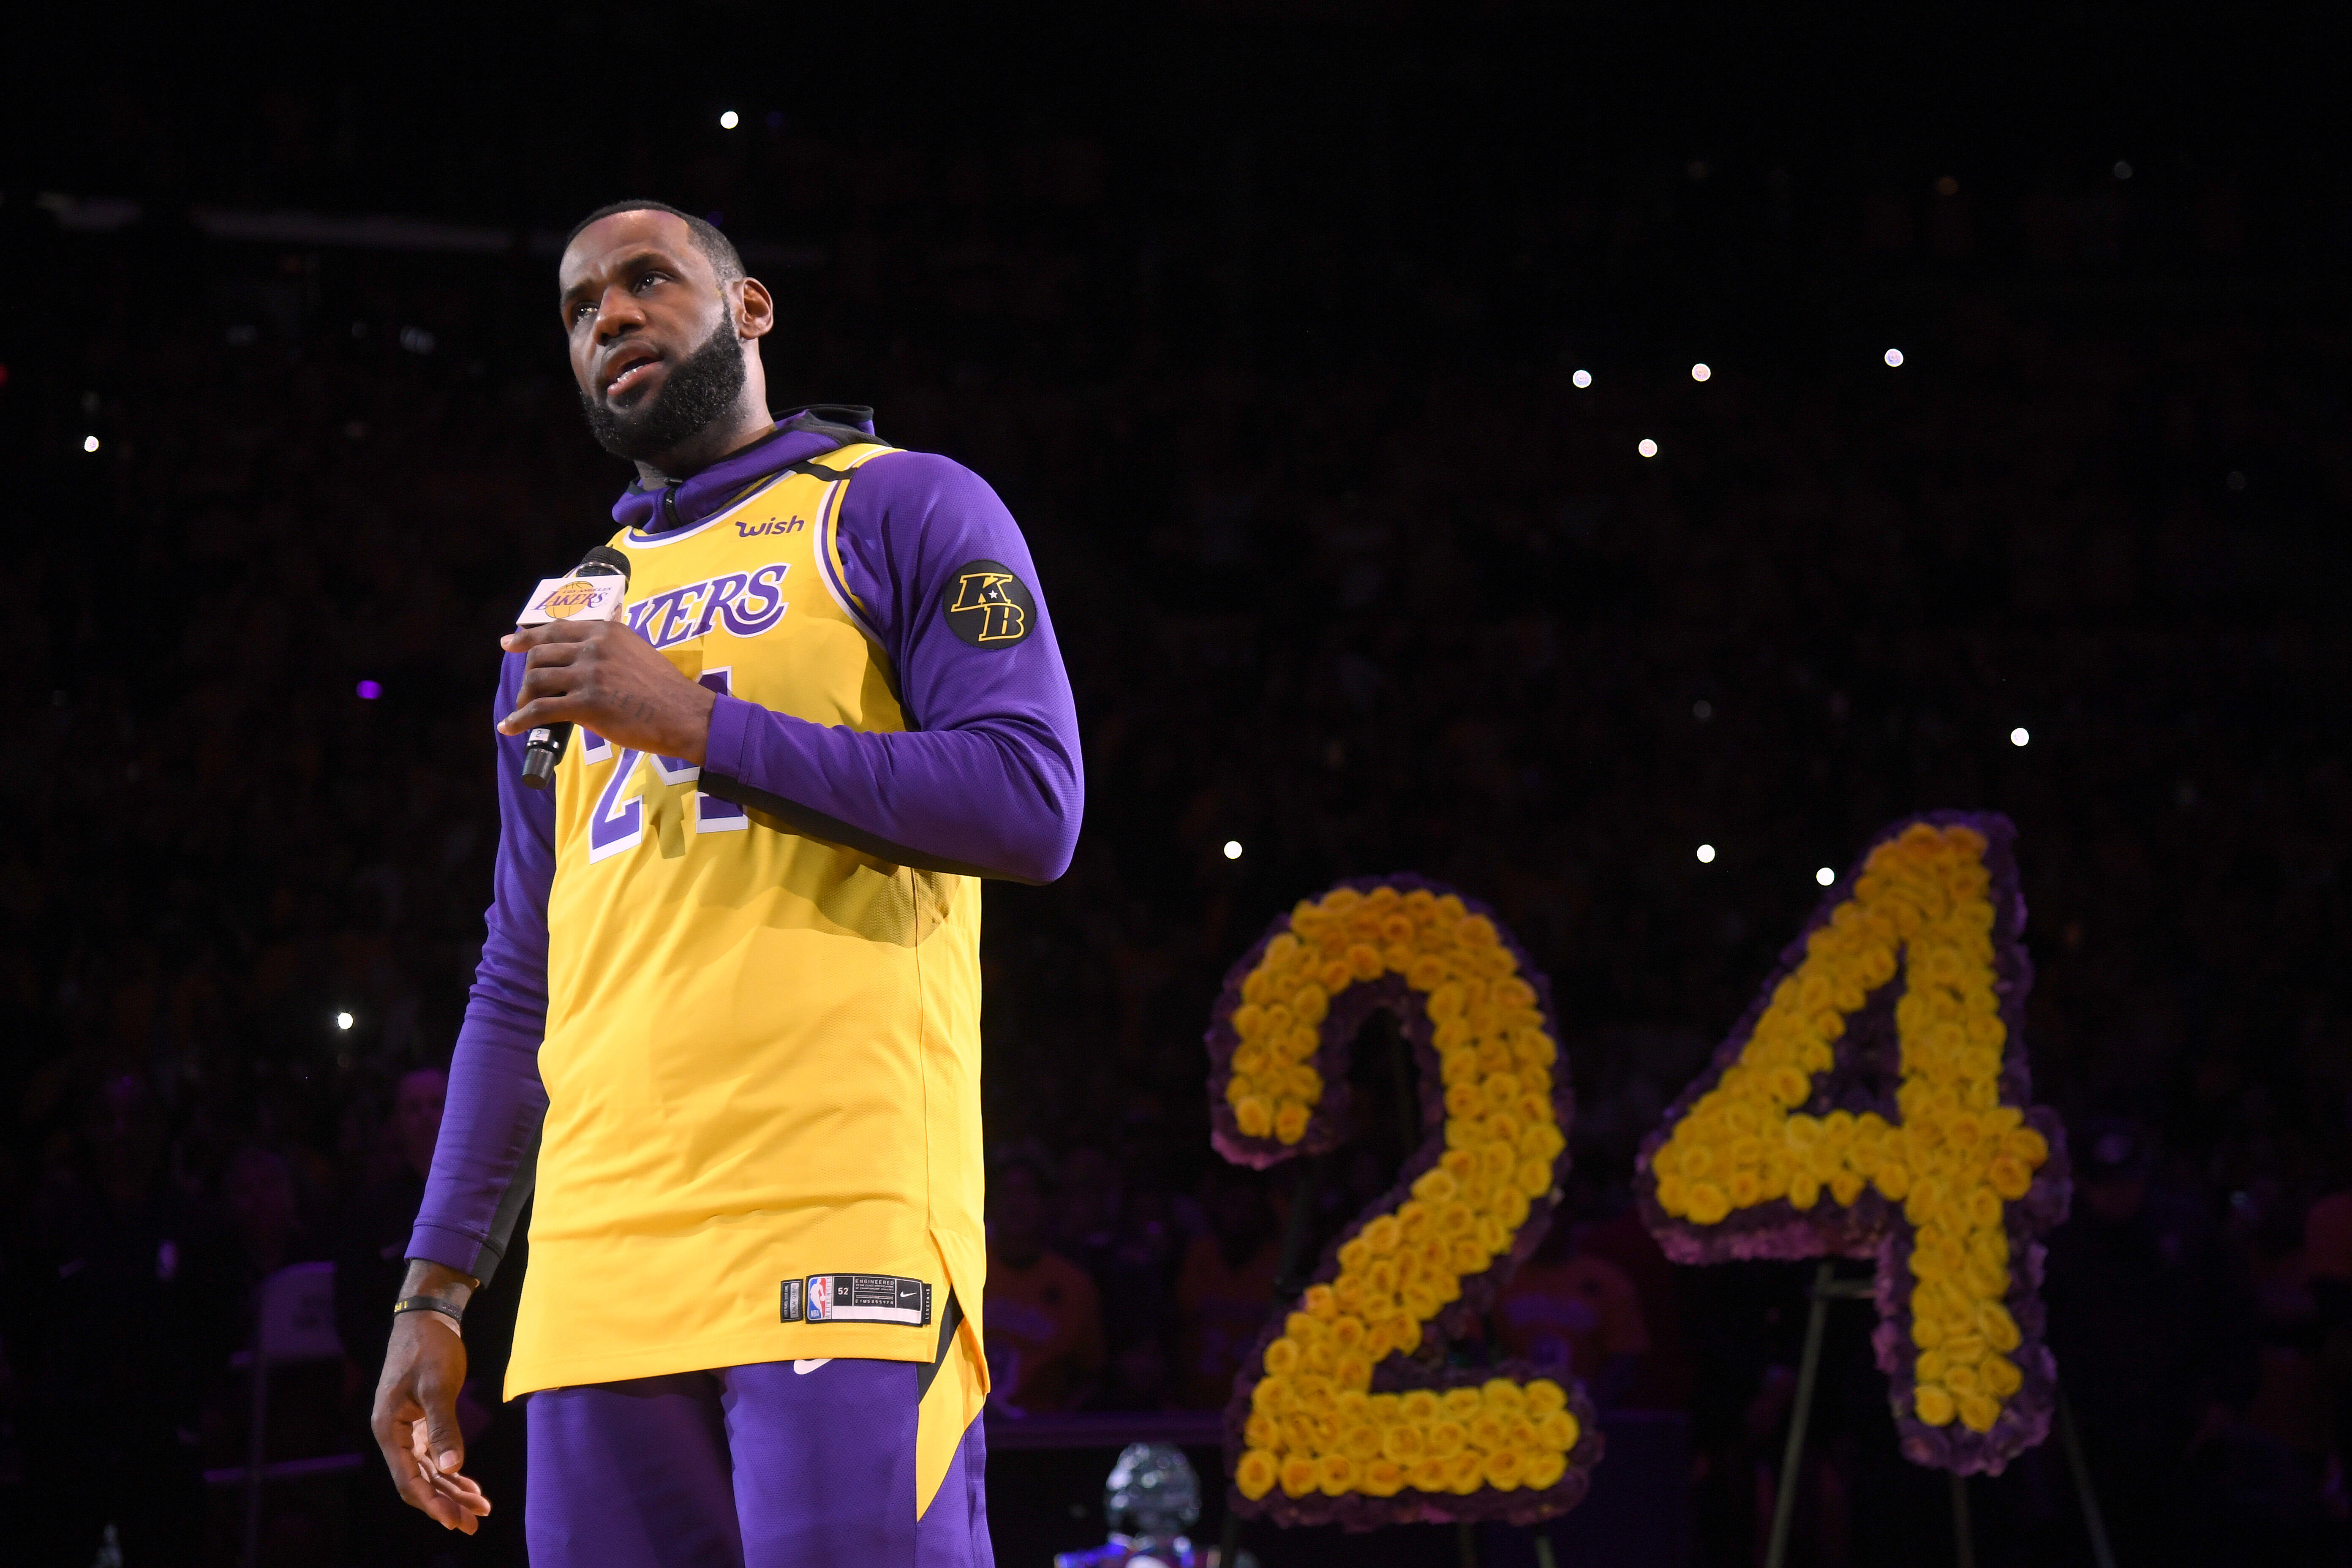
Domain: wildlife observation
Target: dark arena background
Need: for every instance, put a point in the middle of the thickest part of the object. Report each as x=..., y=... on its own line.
x=1610, y=461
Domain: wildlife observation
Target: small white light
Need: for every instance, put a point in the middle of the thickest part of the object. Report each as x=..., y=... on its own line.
x=1232, y=848
x=1582, y=378
x=1707, y=854
x=2123, y=170
x=1825, y=875
x=729, y=121
x=89, y=443
x=1894, y=358
x=2018, y=736
x=1648, y=447
x=1699, y=372
x=342, y=1020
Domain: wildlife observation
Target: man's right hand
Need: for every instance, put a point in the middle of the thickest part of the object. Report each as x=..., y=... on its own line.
x=415, y=1416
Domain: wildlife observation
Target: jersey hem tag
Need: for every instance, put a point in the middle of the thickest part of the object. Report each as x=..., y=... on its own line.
x=857, y=1299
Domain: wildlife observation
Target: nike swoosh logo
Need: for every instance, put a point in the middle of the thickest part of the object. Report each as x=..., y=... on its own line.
x=806, y=1367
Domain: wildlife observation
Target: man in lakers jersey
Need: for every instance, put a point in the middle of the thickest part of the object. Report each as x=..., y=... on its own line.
x=726, y=1029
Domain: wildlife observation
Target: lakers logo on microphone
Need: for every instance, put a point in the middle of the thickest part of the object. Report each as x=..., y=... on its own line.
x=570, y=600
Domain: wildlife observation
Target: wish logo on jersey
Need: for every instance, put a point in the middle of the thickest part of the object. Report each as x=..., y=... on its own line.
x=746, y=529
x=743, y=603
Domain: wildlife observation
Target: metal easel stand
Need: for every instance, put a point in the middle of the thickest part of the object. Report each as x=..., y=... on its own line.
x=1828, y=1288
x=2093, y=1519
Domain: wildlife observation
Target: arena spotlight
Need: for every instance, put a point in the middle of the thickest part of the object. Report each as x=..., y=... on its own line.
x=2018, y=737
x=1582, y=378
x=89, y=443
x=344, y=1020
x=729, y=121
x=1707, y=854
x=1699, y=372
x=1825, y=875
x=1894, y=358
x=1648, y=447
x=1232, y=848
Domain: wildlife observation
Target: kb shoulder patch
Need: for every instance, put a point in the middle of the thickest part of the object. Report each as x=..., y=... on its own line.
x=987, y=605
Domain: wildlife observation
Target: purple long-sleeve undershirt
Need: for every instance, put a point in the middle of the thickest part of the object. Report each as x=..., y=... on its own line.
x=496, y=1100
x=987, y=780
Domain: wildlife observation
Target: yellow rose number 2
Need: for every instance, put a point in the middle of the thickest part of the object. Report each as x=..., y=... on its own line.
x=1875, y=1103
x=1346, y=1412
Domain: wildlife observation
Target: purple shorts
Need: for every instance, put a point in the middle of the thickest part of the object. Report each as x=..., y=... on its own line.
x=748, y=1466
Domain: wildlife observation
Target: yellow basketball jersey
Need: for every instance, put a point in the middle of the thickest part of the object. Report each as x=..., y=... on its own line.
x=763, y=1051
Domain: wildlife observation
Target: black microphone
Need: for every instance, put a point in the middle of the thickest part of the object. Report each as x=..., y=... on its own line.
x=544, y=747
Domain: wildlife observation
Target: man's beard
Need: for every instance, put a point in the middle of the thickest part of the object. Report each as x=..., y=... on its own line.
x=697, y=392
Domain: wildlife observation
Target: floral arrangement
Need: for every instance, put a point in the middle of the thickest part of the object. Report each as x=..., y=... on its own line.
x=1345, y=1412
x=1875, y=1101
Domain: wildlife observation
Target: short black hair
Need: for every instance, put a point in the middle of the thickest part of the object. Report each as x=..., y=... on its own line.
x=716, y=247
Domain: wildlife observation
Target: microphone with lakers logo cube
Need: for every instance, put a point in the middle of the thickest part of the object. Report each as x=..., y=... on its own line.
x=592, y=591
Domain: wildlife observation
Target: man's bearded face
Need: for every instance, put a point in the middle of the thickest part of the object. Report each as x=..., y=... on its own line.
x=697, y=393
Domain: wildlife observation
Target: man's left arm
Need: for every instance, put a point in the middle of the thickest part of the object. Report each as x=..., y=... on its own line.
x=987, y=781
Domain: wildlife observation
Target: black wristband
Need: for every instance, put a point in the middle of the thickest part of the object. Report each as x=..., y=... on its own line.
x=448, y=1309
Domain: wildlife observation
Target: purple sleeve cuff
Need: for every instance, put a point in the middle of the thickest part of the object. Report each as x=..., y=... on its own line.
x=732, y=719
x=451, y=1248
x=988, y=780
x=495, y=1102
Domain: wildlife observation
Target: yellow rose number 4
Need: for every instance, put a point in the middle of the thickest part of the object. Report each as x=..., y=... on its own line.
x=1876, y=1104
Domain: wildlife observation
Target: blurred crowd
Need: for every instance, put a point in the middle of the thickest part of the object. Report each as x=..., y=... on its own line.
x=1358, y=565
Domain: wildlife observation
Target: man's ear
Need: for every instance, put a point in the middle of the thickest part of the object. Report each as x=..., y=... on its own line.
x=754, y=310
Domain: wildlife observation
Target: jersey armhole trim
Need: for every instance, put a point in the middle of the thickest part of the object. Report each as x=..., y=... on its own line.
x=830, y=568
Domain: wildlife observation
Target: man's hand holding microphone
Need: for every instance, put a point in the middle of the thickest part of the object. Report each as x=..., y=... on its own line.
x=584, y=666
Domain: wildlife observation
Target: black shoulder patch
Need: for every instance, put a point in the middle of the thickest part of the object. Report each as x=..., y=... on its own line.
x=987, y=605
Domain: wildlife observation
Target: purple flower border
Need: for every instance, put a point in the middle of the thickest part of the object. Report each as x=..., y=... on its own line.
x=1873, y=1227
x=1397, y=1373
